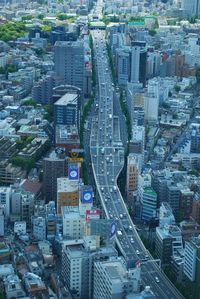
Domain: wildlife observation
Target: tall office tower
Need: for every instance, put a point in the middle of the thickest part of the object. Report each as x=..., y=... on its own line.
x=149, y=204
x=152, y=101
x=192, y=264
x=191, y=7
x=132, y=178
x=123, y=65
x=138, y=62
x=135, y=64
x=69, y=63
x=66, y=110
x=113, y=280
x=54, y=166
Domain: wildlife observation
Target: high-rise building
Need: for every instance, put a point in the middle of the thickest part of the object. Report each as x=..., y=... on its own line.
x=168, y=242
x=173, y=196
x=54, y=166
x=192, y=7
x=78, y=264
x=73, y=222
x=138, y=62
x=113, y=280
x=123, y=65
x=66, y=110
x=132, y=178
x=192, y=264
x=69, y=63
x=149, y=204
x=135, y=64
x=186, y=200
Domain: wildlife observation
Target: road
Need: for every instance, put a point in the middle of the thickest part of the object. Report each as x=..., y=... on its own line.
x=107, y=157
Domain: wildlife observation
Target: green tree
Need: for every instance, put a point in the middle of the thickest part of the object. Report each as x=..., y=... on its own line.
x=29, y=102
x=152, y=32
x=177, y=88
x=40, y=16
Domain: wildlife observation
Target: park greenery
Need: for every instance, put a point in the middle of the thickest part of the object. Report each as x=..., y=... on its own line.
x=65, y=17
x=93, y=62
x=12, y=30
x=125, y=111
x=110, y=59
x=85, y=112
x=29, y=102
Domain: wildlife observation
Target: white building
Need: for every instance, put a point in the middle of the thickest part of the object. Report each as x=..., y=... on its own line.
x=20, y=227
x=192, y=252
x=73, y=222
x=166, y=216
x=5, y=193
x=112, y=279
x=39, y=228
x=135, y=64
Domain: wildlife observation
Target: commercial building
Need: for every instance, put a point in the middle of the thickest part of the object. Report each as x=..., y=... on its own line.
x=186, y=200
x=42, y=90
x=54, y=166
x=67, y=193
x=168, y=242
x=192, y=264
x=149, y=204
x=67, y=137
x=113, y=280
x=39, y=228
x=69, y=63
x=51, y=220
x=13, y=287
x=191, y=8
x=132, y=178
x=73, y=222
x=78, y=264
x=66, y=110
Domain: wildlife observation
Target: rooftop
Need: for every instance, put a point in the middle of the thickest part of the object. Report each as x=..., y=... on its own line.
x=68, y=98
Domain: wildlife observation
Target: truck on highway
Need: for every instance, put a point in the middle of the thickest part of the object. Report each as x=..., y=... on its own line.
x=102, y=150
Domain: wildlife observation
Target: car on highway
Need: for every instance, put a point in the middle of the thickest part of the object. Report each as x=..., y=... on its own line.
x=157, y=279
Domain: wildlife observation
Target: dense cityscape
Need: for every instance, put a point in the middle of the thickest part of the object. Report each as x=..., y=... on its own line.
x=100, y=149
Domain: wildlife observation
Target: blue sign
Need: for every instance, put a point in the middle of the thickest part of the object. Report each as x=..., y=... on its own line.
x=112, y=229
x=87, y=196
x=73, y=172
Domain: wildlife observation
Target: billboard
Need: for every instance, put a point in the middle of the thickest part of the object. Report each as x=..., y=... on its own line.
x=112, y=229
x=76, y=155
x=93, y=214
x=87, y=196
x=73, y=172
